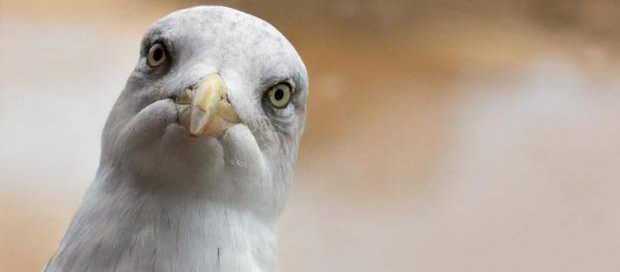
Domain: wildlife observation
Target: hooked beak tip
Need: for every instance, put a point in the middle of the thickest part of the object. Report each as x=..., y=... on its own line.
x=205, y=107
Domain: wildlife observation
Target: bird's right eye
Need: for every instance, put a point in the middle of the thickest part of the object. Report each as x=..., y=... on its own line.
x=157, y=55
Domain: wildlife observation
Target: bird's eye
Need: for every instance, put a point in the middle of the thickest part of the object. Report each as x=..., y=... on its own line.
x=156, y=55
x=279, y=95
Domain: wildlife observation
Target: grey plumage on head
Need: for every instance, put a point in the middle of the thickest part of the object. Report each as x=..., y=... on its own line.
x=198, y=151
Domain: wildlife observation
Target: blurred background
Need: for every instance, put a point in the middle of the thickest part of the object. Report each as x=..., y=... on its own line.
x=442, y=135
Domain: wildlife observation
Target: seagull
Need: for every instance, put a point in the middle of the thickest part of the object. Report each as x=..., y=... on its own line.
x=198, y=151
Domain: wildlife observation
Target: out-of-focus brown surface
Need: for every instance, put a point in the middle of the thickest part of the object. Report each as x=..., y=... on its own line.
x=441, y=135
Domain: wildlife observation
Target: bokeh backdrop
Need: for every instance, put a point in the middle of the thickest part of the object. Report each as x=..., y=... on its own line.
x=442, y=135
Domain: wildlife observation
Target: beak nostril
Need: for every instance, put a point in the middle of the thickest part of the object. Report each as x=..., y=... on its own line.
x=183, y=97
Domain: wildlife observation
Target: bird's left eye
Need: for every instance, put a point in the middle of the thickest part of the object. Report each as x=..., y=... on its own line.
x=279, y=95
x=156, y=55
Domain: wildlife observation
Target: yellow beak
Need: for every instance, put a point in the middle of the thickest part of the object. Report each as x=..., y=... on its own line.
x=204, y=108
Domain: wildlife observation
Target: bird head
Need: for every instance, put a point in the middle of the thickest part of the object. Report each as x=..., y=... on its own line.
x=215, y=107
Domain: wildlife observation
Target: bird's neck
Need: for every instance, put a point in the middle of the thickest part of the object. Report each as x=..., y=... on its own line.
x=132, y=228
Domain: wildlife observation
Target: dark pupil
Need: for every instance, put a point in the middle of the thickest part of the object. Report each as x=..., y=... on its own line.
x=279, y=94
x=158, y=54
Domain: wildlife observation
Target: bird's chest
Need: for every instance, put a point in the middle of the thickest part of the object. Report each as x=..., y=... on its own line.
x=209, y=238
x=178, y=236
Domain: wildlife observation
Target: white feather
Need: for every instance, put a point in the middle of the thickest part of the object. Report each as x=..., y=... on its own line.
x=162, y=201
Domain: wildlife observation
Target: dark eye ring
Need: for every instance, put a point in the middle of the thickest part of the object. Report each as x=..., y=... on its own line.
x=279, y=95
x=156, y=55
